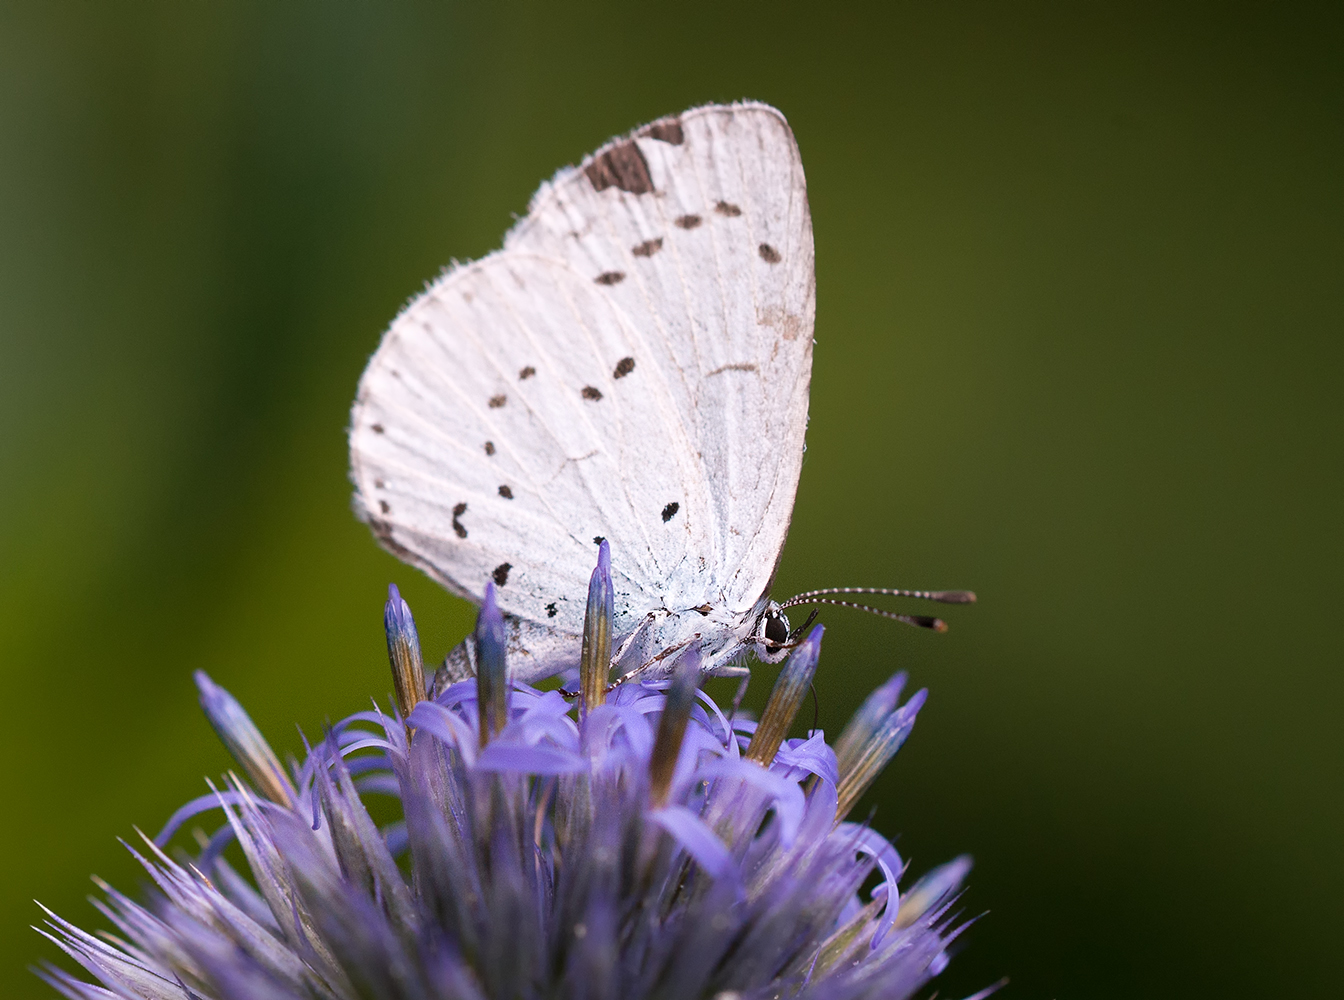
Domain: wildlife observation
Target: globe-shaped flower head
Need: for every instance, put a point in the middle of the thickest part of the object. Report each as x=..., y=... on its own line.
x=618, y=842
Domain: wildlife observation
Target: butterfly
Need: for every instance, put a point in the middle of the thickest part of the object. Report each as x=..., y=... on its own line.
x=633, y=365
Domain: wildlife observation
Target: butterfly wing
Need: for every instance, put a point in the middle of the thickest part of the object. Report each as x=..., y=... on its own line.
x=634, y=365
x=496, y=435
x=705, y=217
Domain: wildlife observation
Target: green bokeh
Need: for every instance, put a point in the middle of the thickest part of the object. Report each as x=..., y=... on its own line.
x=1078, y=347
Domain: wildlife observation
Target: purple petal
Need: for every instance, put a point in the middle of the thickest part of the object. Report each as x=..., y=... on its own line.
x=787, y=796
x=550, y=704
x=726, y=740
x=523, y=759
x=812, y=755
x=379, y=784
x=446, y=726
x=698, y=840
x=194, y=808
x=819, y=820
x=864, y=840
x=456, y=694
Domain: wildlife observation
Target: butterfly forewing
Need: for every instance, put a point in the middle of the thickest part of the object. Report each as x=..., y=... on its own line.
x=715, y=256
x=632, y=365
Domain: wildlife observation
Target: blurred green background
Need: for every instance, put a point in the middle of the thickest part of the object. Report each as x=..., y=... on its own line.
x=1078, y=347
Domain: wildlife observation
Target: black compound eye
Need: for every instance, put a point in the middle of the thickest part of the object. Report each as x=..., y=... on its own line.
x=776, y=630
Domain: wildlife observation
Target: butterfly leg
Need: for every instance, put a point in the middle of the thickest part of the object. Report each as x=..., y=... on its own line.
x=632, y=674
x=629, y=640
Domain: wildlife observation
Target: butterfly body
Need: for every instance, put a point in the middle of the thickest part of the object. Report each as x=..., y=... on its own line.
x=633, y=365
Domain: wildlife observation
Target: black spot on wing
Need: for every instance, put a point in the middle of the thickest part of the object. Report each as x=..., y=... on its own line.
x=550, y=610
x=598, y=539
x=489, y=447
x=668, y=130
x=506, y=493
x=727, y=208
x=527, y=372
x=384, y=506
x=622, y=166
x=458, y=528
x=497, y=401
x=377, y=428
x=769, y=254
x=623, y=368
x=591, y=393
x=670, y=510
x=610, y=278
x=688, y=221
x=501, y=574
x=648, y=248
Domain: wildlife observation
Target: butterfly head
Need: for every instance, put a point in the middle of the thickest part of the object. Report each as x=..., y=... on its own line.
x=771, y=637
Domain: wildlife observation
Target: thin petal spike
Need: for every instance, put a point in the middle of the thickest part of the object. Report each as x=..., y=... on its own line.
x=874, y=755
x=672, y=728
x=932, y=888
x=244, y=740
x=595, y=661
x=789, y=691
x=861, y=727
x=403, y=652
x=492, y=681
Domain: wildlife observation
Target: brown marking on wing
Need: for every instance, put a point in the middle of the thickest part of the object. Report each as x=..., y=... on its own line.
x=668, y=130
x=622, y=166
x=786, y=324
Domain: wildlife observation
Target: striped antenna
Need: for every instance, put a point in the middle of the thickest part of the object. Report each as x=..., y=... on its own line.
x=919, y=621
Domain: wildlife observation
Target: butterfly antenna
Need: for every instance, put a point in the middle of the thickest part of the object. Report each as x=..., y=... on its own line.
x=942, y=596
x=919, y=621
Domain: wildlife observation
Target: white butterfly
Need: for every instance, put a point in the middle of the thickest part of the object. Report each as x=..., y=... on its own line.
x=633, y=365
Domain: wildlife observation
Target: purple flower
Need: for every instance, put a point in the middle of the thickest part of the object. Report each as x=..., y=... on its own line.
x=637, y=843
